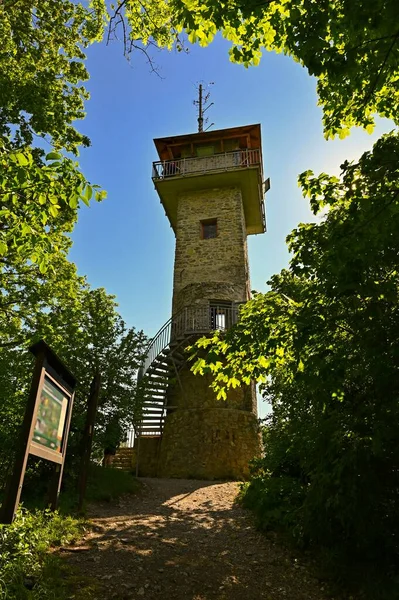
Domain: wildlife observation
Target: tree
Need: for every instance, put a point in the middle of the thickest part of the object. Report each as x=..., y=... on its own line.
x=42, y=68
x=39, y=201
x=352, y=48
x=90, y=335
x=324, y=345
x=41, y=95
x=38, y=208
x=87, y=332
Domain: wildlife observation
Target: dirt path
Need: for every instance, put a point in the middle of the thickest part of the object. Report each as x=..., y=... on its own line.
x=187, y=540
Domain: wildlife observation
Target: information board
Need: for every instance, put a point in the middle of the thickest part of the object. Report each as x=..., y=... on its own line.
x=51, y=415
x=45, y=427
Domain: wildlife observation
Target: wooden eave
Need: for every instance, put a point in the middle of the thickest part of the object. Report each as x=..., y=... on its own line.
x=252, y=133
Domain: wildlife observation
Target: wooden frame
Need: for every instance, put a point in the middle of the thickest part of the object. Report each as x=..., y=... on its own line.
x=48, y=368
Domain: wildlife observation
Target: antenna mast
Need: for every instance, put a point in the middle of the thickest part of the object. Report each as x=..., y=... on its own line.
x=201, y=103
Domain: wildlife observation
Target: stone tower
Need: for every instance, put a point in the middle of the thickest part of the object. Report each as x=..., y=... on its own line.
x=211, y=187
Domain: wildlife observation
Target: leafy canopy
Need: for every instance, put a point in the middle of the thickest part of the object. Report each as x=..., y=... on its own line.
x=342, y=279
x=351, y=48
x=84, y=327
x=42, y=68
x=324, y=345
x=41, y=95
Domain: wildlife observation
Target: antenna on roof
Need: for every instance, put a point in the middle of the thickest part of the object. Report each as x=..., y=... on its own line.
x=202, y=103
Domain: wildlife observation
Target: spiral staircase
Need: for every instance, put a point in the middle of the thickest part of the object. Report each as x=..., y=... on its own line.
x=166, y=356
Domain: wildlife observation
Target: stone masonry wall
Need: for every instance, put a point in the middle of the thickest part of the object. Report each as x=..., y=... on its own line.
x=194, y=391
x=216, y=268
x=209, y=443
x=204, y=437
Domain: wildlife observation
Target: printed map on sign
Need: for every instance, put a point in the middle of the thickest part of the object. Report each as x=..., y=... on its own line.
x=50, y=417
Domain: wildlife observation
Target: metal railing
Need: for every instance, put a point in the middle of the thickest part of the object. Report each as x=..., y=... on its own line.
x=225, y=161
x=190, y=320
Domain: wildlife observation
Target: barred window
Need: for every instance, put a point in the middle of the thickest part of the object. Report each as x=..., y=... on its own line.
x=209, y=229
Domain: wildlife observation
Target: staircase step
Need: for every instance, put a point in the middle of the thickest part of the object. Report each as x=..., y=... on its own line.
x=160, y=360
x=156, y=387
x=156, y=392
x=154, y=401
x=167, y=382
x=158, y=369
x=152, y=378
x=175, y=354
x=153, y=371
x=156, y=376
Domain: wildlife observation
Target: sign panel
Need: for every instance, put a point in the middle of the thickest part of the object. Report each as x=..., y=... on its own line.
x=45, y=427
x=51, y=415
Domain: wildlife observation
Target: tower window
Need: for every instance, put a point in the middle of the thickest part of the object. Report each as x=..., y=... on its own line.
x=209, y=229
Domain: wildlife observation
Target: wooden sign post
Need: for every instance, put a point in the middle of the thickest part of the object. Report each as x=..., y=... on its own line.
x=87, y=440
x=45, y=427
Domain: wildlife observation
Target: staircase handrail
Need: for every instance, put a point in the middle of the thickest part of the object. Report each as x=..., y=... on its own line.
x=192, y=319
x=158, y=343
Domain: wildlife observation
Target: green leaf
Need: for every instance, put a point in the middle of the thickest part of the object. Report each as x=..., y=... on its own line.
x=264, y=362
x=53, y=156
x=73, y=202
x=101, y=195
x=53, y=210
x=22, y=160
x=87, y=194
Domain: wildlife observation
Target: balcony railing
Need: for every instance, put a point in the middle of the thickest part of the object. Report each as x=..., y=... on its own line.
x=190, y=320
x=227, y=161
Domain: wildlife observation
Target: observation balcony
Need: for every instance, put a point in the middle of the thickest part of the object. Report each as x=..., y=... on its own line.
x=215, y=159
x=198, y=165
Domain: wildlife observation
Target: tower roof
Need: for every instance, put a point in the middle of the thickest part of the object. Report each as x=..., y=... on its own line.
x=251, y=133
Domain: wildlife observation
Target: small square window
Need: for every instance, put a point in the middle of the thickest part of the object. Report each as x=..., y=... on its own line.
x=209, y=229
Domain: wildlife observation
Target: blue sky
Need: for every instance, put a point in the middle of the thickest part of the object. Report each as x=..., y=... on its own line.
x=125, y=244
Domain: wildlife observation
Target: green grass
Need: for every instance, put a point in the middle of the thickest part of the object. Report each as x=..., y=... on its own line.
x=28, y=571
x=25, y=564
x=106, y=485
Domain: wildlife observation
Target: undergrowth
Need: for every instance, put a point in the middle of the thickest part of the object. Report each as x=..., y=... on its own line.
x=353, y=560
x=29, y=570
x=107, y=484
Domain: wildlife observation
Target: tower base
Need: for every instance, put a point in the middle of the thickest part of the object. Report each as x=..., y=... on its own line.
x=209, y=443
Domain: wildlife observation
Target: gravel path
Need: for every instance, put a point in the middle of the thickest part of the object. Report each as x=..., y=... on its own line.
x=188, y=540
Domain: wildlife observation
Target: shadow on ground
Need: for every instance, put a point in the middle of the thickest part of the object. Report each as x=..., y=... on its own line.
x=188, y=540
